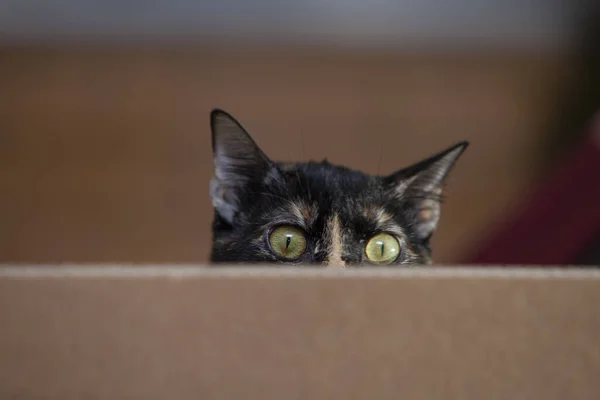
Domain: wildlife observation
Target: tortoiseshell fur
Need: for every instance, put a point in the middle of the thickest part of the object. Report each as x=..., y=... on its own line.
x=338, y=208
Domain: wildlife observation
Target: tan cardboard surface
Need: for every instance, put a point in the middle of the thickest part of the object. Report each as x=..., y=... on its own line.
x=187, y=333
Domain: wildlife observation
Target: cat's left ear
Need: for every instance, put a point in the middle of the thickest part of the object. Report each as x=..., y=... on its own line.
x=238, y=162
x=420, y=188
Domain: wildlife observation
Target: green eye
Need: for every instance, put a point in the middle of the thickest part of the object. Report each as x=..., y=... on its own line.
x=288, y=242
x=382, y=249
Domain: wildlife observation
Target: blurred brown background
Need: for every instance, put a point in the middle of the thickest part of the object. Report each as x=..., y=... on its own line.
x=105, y=145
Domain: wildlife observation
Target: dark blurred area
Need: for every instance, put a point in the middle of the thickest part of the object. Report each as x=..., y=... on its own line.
x=105, y=149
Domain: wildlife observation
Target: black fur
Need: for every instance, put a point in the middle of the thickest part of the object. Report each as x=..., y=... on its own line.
x=253, y=195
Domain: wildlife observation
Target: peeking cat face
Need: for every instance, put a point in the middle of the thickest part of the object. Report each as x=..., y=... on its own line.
x=318, y=213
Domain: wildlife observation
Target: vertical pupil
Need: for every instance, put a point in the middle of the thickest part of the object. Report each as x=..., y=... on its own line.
x=382, y=248
x=288, y=240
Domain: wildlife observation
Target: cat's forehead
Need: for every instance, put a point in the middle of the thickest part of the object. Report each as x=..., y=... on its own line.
x=319, y=190
x=333, y=180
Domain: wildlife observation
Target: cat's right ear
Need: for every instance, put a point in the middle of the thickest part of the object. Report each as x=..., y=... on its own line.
x=238, y=162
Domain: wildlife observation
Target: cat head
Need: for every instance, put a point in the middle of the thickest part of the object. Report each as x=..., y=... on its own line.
x=318, y=213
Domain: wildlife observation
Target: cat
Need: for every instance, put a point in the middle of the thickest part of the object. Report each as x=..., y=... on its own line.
x=317, y=213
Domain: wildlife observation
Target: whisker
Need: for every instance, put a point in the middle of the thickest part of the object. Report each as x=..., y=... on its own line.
x=426, y=196
x=303, y=157
x=299, y=180
x=296, y=165
x=270, y=195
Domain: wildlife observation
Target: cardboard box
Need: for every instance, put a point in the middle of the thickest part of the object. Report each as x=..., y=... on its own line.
x=152, y=332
